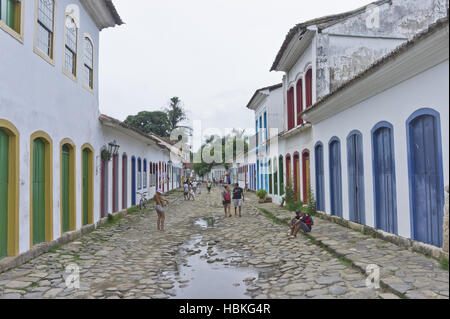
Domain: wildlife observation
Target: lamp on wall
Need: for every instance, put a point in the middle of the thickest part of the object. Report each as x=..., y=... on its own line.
x=113, y=148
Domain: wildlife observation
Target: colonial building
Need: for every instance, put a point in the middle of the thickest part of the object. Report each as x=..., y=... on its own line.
x=62, y=164
x=351, y=142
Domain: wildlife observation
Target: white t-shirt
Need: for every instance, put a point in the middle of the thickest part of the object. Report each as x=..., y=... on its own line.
x=186, y=187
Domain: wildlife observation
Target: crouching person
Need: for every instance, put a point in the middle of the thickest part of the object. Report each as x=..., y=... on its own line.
x=301, y=222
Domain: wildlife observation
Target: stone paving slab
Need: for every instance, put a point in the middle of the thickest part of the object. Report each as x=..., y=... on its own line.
x=403, y=272
x=132, y=260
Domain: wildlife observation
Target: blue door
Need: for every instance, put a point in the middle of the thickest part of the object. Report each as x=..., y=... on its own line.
x=133, y=181
x=426, y=176
x=335, y=177
x=385, y=193
x=320, y=178
x=257, y=176
x=355, y=164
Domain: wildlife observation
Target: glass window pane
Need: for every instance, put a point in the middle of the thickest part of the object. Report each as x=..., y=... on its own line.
x=69, y=61
x=45, y=13
x=71, y=34
x=44, y=40
x=88, y=53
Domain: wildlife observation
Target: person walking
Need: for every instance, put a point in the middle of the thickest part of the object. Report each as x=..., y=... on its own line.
x=192, y=192
x=238, y=199
x=226, y=201
x=160, y=203
x=186, y=191
x=208, y=185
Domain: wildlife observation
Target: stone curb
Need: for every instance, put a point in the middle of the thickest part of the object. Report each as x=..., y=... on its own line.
x=432, y=251
x=9, y=263
x=361, y=267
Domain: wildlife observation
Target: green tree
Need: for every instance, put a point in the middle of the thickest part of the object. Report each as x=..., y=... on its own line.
x=150, y=122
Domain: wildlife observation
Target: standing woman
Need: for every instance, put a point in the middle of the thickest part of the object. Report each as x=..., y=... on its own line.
x=226, y=200
x=160, y=203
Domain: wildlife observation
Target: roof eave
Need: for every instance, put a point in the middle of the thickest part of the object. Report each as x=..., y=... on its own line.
x=102, y=12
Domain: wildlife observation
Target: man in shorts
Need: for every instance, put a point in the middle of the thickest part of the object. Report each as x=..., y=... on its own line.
x=160, y=203
x=238, y=198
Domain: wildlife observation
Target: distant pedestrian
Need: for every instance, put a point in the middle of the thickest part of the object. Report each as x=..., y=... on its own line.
x=160, y=203
x=208, y=185
x=238, y=199
x=191, y=193
x=226, y=201
x=186, y=191
x=199, y=188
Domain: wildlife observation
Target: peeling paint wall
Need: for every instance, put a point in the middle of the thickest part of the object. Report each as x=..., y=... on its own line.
x=351, y=46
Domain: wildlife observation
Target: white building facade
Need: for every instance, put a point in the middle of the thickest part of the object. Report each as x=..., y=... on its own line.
x=53, y=141
x=353, y=148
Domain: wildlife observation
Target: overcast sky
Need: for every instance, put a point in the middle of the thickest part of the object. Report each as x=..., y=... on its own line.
x=212, y=54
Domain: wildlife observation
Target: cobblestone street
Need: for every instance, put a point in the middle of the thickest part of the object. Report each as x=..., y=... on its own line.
x=202, y=254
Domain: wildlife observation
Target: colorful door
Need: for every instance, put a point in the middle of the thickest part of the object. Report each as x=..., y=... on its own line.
x=426, y=177
x=320, y=178
x=257, y=174
x=115, y=181
x=384, y=178
x=4, y=160
x=335, y=178
x=124, y=182
x=306, y=176
x=104, y=189
x=38, y=191
x=86, y=191
x=297, y=176
x=355, y=164
x=288, y=171
x=65, y=188
x=133, y=181
x=275, y=176
x=281, y=172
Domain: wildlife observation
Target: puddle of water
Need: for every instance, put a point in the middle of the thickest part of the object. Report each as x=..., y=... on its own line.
x=206, y=222
x=216, y=280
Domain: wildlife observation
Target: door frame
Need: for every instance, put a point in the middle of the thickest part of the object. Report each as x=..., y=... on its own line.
x=13, y=186
x=90, y=151
x=363, y=203
x=384, y=124
x=333, y=140
x=320, y=200
x=72, y=183
x=437, y=117
x=48, y=142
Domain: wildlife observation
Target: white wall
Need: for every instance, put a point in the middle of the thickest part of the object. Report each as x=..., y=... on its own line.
x=35, y=95
x=426, y=90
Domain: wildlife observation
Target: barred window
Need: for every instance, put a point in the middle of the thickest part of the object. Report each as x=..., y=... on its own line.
x=70, y=60
x=45, y=21
x=88, y=63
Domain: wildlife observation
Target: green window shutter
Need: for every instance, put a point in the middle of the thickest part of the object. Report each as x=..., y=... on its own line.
x=4, y=152
x=65, y=189
x=38, y=191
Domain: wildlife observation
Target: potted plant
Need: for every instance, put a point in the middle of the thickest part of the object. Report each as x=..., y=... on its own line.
x=262, y=195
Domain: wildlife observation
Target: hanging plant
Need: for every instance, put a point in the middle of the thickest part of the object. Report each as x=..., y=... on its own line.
x=106, y=156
